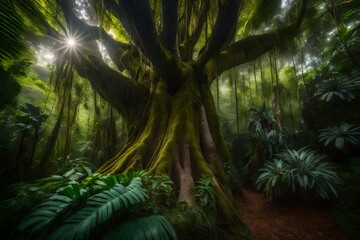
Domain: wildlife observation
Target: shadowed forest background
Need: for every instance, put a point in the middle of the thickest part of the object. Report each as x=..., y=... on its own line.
x=157, y=119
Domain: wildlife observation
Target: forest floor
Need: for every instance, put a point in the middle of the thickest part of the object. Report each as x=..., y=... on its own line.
x=285, y=222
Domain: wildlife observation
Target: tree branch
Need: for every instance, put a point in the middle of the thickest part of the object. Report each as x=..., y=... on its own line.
x=137, y=18
x=125, y=95
x=184, y=21
x=224, y=26
x=122, y=93
x=188, y=45
x=252, y=47
x=119, y=52
x=170, y=18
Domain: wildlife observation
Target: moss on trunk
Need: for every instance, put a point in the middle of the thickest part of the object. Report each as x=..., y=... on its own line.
x=179, y=134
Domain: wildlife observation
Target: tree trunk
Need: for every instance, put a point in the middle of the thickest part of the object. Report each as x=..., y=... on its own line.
x=179, y=134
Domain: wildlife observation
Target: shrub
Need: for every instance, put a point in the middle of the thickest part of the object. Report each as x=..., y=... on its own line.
x=342, y=136
x=301, y=173
x=272, y=180
x=341, y=86
x=260, y=119
x=161, y=192
x=265, y=145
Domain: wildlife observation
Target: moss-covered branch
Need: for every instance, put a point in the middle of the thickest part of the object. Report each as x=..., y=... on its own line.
x=125, y=95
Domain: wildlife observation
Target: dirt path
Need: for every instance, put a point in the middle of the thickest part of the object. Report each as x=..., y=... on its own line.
x=285, y=222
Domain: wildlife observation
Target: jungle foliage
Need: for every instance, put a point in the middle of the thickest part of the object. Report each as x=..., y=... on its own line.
x=169, y=87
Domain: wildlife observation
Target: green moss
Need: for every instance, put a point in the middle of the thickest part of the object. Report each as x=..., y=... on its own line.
x=173, y=122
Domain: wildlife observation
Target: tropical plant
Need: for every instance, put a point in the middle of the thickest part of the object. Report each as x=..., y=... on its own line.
x=341, y=86
x=157, y=225
x=45, y=213
x=265, y=145
x=10, y=71
x=28, y=124
x=161, y=191
x=78, y=208
x=310, y=175
x=271, y=180
x=303, y=172
x=342, y=136
x=80, y=165
x=194, y=222
x=260, y=119
x=13, y=46
x=205, y=192
x=12, y=28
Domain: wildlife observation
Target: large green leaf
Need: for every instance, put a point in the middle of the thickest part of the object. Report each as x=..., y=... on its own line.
x=154, y=227
x=100, y=208
x=44, y=214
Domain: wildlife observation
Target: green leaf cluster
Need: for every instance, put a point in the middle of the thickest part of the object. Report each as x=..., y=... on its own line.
x=300, y=173
x=342, y=136
x=82, y=208
x=161, y=192
x=205, y=192
x=342, y=86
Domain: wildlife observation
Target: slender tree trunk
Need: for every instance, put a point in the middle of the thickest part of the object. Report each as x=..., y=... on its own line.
x=236, y=102
x=249, y=81
x=217, y=95
x=50, y=146
x=277, y=104
x=262, y=81
x=256, y=87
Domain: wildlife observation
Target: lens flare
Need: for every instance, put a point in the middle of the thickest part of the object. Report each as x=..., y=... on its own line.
x=71, y=42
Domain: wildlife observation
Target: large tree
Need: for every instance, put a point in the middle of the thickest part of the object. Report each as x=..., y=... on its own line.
x=165, y=55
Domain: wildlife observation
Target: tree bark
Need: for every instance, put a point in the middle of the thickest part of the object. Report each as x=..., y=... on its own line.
x=179, y=135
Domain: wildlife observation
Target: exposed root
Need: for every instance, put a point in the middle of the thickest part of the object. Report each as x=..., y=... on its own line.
x=186, y=181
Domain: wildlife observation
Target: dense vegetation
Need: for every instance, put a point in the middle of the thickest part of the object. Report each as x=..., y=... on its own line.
x=141, y=120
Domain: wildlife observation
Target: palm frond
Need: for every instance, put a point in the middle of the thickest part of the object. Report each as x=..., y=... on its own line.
x=11, y=28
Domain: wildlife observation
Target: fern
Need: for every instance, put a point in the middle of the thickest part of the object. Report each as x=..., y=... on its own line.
x=100, y=208
x=205, y=192
x=151, y=227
